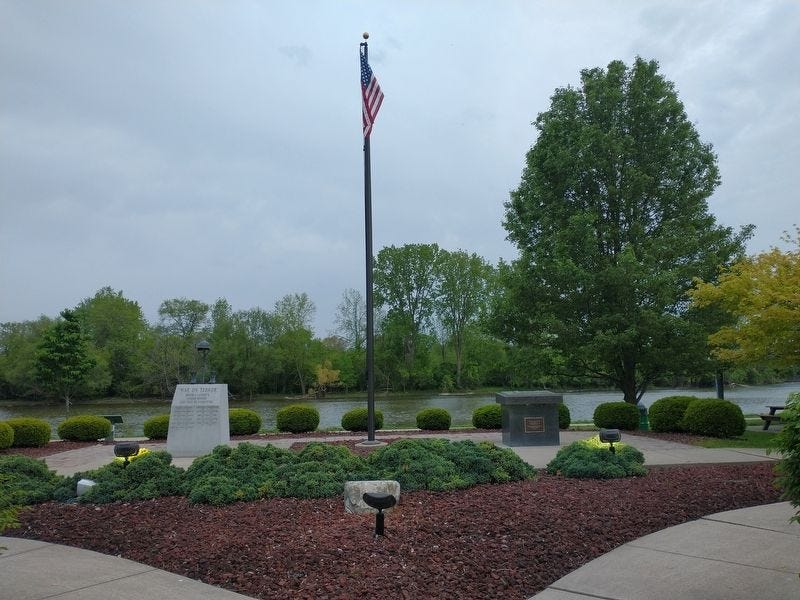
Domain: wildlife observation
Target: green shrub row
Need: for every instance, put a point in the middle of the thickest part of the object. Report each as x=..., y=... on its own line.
x=593, y=459
x=29, y=432
x=616, y=415
x=6, y=435
x=356, y=420
x=249, y=472
x=84, y=428
x=701, y=416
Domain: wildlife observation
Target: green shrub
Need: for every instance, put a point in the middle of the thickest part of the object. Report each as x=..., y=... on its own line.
x=243, y=421
x=297, y=418
x=593, y=459
x=356, y=420
x=149, y=476
x=564, y=418
x=440, y=465
x=243, y=473
x=787, y=442
x=25, y=480
x=433, y=419
x=617, y=415
x=156, y=427
x=714, y=418
x=29, y=432
x=84, y=428
x=318, y=471
x=488, y=416
x=6, y=435
x=667, y=413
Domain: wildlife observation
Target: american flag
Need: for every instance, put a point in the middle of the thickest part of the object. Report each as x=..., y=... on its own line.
x=371, y=95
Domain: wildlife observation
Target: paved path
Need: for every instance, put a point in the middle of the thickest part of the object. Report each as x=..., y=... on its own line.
x=746, y=554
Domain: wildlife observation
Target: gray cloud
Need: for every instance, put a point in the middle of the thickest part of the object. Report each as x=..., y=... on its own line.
x=168, y=149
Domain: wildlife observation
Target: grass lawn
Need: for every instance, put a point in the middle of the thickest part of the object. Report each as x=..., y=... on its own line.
x=749, y=439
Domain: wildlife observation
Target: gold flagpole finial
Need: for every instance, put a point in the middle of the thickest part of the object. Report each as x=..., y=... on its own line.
x=365, y=35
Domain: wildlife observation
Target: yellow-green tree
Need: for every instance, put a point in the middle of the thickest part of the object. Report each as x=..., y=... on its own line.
x=762, y=295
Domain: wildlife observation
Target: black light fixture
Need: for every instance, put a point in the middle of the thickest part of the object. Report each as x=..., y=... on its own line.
x=125, y=450
x=379, y=501
x=609, y=436
x=203, y=348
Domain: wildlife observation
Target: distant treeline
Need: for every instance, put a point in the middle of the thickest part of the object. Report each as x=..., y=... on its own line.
x=105, y=347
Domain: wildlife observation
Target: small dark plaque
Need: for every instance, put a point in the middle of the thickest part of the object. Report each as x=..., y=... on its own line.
x=534, y=424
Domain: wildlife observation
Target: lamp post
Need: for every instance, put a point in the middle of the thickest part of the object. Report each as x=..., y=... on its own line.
x=203, y=347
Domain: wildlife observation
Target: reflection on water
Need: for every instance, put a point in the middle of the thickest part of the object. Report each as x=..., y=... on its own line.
x=398, y=411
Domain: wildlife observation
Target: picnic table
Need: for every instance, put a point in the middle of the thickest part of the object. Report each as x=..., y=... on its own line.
x=772, y=416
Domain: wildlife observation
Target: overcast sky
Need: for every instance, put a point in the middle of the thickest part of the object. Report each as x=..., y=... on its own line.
x=213, y=149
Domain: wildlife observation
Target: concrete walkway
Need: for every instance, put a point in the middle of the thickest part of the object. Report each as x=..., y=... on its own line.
x=747, y=554
x=735, y=555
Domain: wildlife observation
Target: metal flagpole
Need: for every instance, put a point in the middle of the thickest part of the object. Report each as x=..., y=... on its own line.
x=369, y=267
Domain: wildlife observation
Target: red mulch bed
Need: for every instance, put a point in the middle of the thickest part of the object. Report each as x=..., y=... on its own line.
x=503, y=541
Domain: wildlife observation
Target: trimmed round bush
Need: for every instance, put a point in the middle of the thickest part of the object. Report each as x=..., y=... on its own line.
x=84, y=428
x=156, y=427
x=29, y=432
x=666, y=414
x=616, y=415
x=489, y=416
x=564, y=418
x=6, y=435
x=433, y=419
x=714, y=418
x=297, y=418
x=593, y=459
x=356, y=420
x=243, y=421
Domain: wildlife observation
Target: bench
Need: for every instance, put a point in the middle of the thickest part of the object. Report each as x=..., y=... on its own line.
x=772, y=416
x=115, y=419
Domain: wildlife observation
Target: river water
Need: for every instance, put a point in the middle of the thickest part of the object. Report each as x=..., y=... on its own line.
x=398, y=410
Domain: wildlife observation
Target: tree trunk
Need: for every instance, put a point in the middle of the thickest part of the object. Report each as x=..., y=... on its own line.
x=628, y=381
x=457, y=346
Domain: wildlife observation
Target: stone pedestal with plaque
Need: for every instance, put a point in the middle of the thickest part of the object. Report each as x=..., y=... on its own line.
x=198, y=419
x=530, y=418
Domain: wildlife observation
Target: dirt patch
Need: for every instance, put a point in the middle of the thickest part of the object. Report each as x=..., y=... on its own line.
x=493, y=541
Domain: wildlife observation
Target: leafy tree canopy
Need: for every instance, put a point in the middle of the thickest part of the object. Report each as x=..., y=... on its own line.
x=612, y=224
x=762, y=294
x=63, y=359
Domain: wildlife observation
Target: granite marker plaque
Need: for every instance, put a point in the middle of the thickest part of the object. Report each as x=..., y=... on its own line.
x=198, y=419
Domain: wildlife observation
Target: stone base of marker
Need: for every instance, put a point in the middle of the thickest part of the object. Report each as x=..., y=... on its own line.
x=354, y=492
x=198, y=419
x=530, y=418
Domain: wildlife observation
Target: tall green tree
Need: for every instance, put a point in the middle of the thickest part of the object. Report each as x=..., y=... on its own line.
x=19, y=344
x=406, y=284
x=612, y=224
x=351, y=319
x=461, y=297
x=183, y=317
x=119, y=332
x=64, y=360
x=293, y=312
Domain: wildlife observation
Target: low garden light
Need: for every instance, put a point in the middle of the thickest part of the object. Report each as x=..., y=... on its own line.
x=125, y=450
x=379, y=501
x=609, y=436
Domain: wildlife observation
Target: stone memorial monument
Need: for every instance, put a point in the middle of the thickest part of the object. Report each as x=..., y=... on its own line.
x=198, y=419
x=530, y=418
